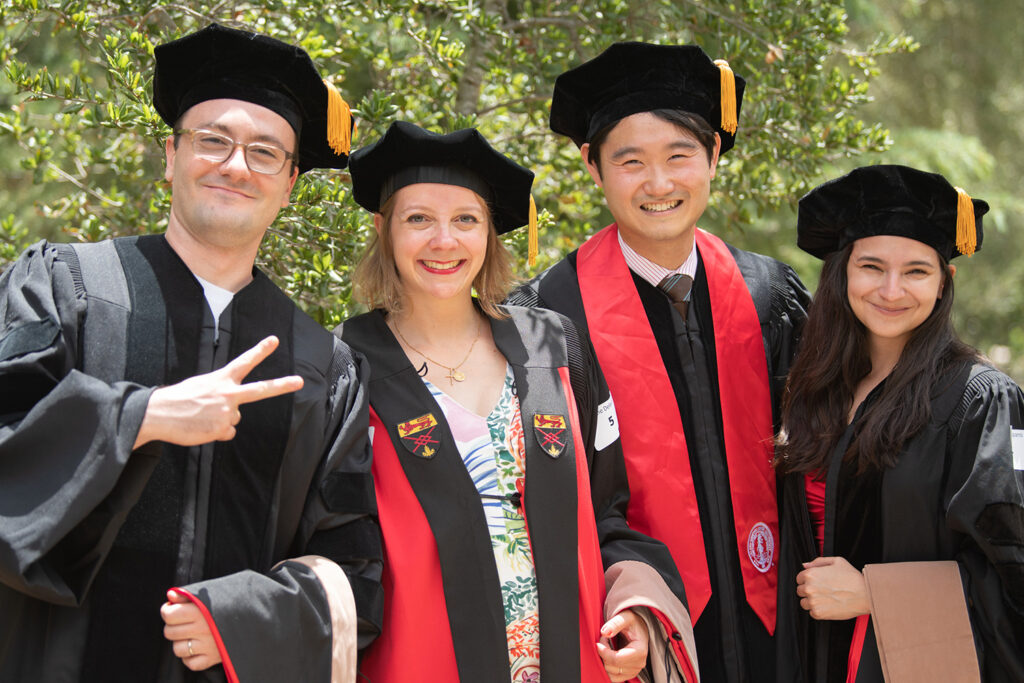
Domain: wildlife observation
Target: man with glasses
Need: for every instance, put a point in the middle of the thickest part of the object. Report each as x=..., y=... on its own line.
x=184, y=469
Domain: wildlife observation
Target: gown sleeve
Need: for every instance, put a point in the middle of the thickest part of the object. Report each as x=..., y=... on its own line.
x=987, y=507
x=790, y=301
x=305, y=618
x=67, y=480
x=639, y=571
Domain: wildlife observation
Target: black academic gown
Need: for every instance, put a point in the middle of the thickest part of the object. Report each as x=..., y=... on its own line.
x=954, y=494
x=732, y=643
x=93, y=534
x=536, y=344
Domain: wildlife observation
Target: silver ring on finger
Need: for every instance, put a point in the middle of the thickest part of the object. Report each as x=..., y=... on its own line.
x=193, y=654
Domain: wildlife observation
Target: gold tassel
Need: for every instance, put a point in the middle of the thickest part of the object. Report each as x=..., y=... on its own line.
x=966, y=232
x=339, y=121
x=728, y=87
x=533, y=247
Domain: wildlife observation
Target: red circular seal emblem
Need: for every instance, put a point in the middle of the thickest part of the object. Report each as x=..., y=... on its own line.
x=761, y=547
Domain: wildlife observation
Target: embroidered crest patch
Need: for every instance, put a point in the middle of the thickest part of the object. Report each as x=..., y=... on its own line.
x=418, y=435
x=761, y=547
x=550, y=433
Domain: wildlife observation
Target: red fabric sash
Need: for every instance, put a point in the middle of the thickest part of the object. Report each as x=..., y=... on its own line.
x=662, y=502
x=416, y=640
x=860, y=631
x=589, y=567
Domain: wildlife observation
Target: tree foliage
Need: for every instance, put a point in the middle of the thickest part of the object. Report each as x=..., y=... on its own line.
x=83, y=154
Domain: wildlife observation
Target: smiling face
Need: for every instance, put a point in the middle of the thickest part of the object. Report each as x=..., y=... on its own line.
x=224, y=204
x=439, y=239
x=892, y=286
x=656, y=179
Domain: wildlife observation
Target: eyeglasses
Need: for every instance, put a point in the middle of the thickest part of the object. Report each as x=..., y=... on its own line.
x=259, y=156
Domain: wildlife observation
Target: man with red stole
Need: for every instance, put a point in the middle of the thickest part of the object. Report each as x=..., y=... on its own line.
x=694, y=335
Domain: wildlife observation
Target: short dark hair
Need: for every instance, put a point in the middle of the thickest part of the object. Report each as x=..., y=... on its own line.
x=692, y=123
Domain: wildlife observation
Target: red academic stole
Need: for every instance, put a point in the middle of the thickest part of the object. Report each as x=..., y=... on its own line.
x=416, y=642
x=662, y=502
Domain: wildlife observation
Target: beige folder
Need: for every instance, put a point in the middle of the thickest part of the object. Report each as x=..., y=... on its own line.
x=921, y=623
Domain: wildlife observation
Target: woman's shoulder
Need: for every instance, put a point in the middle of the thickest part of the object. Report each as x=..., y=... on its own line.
x=539, y=327
x=984, y=378
x=540, y=321
x=986, y=388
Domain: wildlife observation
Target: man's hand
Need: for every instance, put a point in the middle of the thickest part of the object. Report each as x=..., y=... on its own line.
x=832, y=588
x=204, y=408
x=628, y=661
x=188, y=632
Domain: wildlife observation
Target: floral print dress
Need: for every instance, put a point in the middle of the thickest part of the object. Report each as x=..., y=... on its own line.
x=494, y=451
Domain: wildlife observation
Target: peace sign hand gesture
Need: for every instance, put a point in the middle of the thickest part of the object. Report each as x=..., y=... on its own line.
x=204, y=408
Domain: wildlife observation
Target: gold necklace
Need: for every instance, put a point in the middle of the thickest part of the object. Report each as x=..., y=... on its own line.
x=454, y=374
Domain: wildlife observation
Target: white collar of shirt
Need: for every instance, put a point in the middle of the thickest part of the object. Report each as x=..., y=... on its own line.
x=652, y=272
x=217, y=298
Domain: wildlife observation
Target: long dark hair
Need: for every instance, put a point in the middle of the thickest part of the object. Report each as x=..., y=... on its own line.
x=831, y=361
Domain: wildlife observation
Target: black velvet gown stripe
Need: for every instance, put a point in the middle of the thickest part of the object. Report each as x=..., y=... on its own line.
x=245, y=469
x=796, y=646
x=551, y=494
x=160, y=340
x=449, y=500
x=829, y=635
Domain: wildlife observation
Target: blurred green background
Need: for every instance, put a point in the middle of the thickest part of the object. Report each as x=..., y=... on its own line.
x=830, y=86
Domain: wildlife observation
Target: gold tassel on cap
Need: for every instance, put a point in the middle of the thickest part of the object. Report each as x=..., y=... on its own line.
x=339, y=121
x=729, y=117
x=966, y=232
x=533, y=247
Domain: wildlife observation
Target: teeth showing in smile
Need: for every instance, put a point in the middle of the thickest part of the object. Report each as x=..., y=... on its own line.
x=661, y=206
x=442, y=265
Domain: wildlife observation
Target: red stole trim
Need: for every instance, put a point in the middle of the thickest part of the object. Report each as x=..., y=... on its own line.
x=682, y=656
x=416, y=639
x=662, y=503
x=860, y=631
x=589, y=566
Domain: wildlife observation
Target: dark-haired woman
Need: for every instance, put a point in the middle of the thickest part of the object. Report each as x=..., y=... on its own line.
x=497, y=466
x=903, y=528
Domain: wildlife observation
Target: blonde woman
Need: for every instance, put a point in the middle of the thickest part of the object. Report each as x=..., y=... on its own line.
x=498, y=472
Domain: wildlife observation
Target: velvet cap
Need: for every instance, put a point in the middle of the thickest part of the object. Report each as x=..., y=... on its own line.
x=408, y=154
x=220, y=62
x=630, y=78
x=890, y=200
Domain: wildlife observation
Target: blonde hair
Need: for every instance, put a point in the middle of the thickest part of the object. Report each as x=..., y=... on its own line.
x=377, y=284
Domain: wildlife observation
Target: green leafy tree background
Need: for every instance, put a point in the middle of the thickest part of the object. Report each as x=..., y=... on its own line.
x=81, y=153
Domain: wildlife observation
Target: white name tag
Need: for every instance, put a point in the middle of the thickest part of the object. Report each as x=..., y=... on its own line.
x=1017, y=441
x=607, y=425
